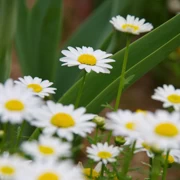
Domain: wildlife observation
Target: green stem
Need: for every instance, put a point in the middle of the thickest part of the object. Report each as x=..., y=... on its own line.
x=109, y=136
x=122, y=75
x=19, y=134
x=96, y=135
x=35, y=134
x=165, y=166
x=156, y=166
x=150, y=167
x=80, y=90
x=102, y=170
x=128, y=159
x=4, y=136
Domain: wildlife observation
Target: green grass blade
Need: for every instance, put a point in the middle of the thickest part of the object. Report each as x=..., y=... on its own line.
x=38, y=37
x=8, y=12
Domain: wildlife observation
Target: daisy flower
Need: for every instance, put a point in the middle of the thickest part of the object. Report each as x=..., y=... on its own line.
x=123, y=123
x=39, y=87
x=11, y=166
x=103, y=152
x=63, y=120
x=52, y=171
x=87, y=58
x=161, y=130
x=16, y=103
x=168, y=95
x=174, y=156
x=47, y=147
x=131, y=24
x=95, y=172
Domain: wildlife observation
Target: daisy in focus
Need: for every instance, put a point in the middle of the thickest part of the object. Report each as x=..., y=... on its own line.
x=131, y=24
x=123, y=123
x=103, y=152
x=46, y=148
x=17, y=103
x=39, y=87
x=87, y=58
x=52, y=171
x=63, y=120
x=161, y=130
x=168, y=95
x=11, y=166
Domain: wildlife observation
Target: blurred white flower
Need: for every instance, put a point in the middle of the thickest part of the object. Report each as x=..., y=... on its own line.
x=39, y=87
x=131, y=24
x=63, y=120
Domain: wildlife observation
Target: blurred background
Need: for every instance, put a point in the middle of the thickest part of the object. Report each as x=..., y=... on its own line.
x=138, y=96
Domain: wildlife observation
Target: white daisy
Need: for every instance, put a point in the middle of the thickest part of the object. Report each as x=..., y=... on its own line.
x=52, y=171
x=87, y=58
x=94, y=173
x=174, y=156
x=11, y=166
x=103, y=152
x=39, y=87
x=168, y=95
x=131, y=24
x=16, y=103
x=47, y=147
x=64, y=120
x=161, y=130
x=123, y=123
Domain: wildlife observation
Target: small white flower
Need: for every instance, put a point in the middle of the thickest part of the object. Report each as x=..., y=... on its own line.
x=131, y=24
x=39, y=87
x=11, y=166
x=16, y=103
x=168, y=95
x=161, y=130
x=174, y=156
x=123, y=123
x=64, y=120
x=47, y=147
x=103, y=152
x=87, y=58
x=52, y=171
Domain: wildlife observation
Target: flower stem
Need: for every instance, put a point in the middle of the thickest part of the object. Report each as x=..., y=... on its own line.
x=156, y=166
x=122, y=75
x=4, y=136
x=102, y=170
x=19, y=134
x=165, y=166
x=128, y=159
x=80, y=90
x=150, y=167
x=35, y=134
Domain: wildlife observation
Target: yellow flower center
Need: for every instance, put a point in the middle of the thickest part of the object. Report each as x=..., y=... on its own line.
x=104, y=154
x=87, y=59
x=14, y=105
x=141, y=111
x=130, y=125
x=48, y=176
x=35, y=87
x=7, y=170
x=130, y=26
x=62, y=120
x=87, y=172
x=174, y=98
x=46, y=150
x=170, y=159
x=166, y=129
x=146, y=146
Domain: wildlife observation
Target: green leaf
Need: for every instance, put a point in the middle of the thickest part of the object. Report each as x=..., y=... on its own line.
x=38, y=37
x=144, y=54
x=8, y=11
